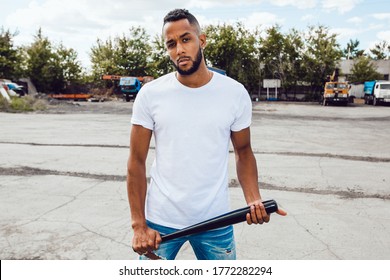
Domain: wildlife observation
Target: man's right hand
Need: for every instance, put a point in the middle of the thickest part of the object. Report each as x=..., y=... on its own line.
x=145, y=240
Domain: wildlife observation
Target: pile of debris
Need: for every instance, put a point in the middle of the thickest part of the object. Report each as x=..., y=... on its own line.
x=10, y=89
x=16, y=97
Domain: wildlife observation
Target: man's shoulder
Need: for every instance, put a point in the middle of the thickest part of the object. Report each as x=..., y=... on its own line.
x=160, y=80
x=228, y=83
x=226, y=80
x=156, y=87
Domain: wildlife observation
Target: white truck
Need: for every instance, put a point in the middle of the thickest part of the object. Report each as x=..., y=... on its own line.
x=377, y=92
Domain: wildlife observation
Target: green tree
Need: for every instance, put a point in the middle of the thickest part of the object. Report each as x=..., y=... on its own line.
x=160, y=61
x=363, y=70
x=70, y=67
x=321, y=55
x=51, y=69
x=133, y=52
x=282, y=56
x=352, y=50
x=128, y=55
x=271, y=52
x=39, y=59
x=234, y=49
x=65, y=69
x=381, y=50
x=293, y=56
x=103, y=59
x=10, y=57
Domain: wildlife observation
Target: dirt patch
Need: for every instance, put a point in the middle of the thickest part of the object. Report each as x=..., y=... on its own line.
x=86, y=107
x=29, y=171
x=296, y=154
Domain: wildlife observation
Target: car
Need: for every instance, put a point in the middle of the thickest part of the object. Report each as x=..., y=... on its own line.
x=17, y=89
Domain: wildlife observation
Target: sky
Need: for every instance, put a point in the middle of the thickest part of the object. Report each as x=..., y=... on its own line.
x=78, y=24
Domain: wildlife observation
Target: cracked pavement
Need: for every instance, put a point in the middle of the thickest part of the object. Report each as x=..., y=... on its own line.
x=63, y=192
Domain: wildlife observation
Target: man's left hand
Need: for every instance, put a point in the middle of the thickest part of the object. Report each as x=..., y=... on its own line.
x=258, y=215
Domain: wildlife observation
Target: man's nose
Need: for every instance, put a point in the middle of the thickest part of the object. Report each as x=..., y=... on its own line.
x=179, y=48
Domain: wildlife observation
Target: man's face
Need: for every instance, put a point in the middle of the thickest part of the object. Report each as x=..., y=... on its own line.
x=184, y=46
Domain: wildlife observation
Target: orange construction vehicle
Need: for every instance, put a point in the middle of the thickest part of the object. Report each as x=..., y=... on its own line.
x=144, y=79
x=335, y=91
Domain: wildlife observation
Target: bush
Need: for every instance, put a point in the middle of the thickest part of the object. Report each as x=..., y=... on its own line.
x=4, y=104
x=22, y=104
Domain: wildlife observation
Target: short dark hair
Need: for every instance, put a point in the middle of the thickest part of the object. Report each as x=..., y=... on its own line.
x=179, y=14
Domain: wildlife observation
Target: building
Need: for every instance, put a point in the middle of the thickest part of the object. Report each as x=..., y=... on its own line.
x=382, y=66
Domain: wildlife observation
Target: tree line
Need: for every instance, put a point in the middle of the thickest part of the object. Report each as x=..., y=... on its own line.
x=249, y=56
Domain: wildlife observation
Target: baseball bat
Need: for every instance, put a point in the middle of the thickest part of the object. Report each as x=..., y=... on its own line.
x=230, y=218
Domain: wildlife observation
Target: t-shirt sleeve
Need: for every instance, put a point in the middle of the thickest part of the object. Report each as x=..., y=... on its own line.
x=243, y=118
x=141, y=112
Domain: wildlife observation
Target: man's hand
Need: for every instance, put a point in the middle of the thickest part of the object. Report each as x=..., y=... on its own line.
x=258, y=215
x=145, y=240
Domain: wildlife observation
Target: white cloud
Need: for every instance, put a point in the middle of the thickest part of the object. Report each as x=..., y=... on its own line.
x=301, y=4
x=207, y=4
x=307, y=17
x=357, y=33
x=252, y=21
x=355, y=20
x=84, y=14
x=346, y=33
x=383, y=35
x=350, y=32
x=262, y=19
x=382, y=16
x=59, y=14
x=342, y=6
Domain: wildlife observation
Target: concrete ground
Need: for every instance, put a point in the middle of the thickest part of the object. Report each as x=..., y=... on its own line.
x=63, y=192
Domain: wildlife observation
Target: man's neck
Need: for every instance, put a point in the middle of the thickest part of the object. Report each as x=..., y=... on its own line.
x=198, y=79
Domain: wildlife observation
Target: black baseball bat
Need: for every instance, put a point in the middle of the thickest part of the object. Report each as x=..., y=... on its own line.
x=230, y=218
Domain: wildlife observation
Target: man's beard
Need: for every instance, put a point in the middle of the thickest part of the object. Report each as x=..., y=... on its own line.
x=194, y=67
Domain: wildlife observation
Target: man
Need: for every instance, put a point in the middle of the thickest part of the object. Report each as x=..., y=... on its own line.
x=193, y=114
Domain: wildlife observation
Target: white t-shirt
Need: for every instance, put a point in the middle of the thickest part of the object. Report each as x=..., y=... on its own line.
x=192, y=128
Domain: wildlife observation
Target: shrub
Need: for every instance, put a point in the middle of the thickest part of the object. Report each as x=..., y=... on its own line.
x=22, y=104
x=4, y=104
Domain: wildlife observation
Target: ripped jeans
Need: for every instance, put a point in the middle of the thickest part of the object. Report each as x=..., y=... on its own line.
x=217, y=244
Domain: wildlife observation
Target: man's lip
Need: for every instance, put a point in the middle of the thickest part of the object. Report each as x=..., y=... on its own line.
x=183, y=59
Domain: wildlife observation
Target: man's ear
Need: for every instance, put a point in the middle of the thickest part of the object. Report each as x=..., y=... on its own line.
x=202, y=39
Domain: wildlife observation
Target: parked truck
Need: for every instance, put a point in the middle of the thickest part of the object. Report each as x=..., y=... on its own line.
x=335, y=91
x=129, y=86
x=376, y=92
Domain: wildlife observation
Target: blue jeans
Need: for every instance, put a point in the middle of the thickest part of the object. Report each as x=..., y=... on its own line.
x=217, y=244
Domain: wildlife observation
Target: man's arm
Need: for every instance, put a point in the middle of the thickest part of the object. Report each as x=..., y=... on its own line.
x=248, y=177
x=144, y=239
